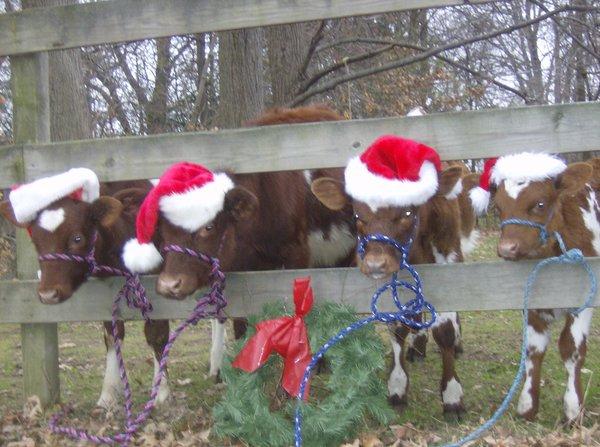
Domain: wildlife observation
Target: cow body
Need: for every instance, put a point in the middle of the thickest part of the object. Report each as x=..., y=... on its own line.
x=68, y=226
x=567, y=204
x=435, y=230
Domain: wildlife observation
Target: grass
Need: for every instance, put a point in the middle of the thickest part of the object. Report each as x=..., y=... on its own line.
x=486, y=369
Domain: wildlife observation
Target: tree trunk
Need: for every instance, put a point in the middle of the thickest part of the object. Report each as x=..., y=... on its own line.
x=71, y=117
x=156, y=111
x=241, y=77
x=288, y=47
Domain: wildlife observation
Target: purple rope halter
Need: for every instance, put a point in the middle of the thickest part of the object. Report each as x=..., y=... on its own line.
x=135, y=295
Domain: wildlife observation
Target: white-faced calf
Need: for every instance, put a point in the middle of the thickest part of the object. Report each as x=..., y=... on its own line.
x=543, y=189
x=63, y=214
x=397, y=188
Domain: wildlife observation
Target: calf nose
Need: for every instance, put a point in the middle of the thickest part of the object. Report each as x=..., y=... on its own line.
x=508, y=249
x=375, y=266
x=49, y=296
x=168, y=285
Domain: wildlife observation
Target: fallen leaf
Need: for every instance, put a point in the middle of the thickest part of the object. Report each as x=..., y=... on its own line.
x=184, y=382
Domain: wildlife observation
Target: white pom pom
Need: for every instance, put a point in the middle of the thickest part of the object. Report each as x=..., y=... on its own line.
x=480, y=199
x=140, y=258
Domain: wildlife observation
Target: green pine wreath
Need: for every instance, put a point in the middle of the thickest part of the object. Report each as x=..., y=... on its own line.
x=350, y=392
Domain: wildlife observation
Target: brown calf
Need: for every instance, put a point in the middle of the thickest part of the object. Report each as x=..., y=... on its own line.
x=67, y=226
x=268, y=221
x=435, y=229
x=542, y=189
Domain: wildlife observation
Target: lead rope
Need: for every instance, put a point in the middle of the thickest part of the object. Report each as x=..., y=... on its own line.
x=210, y=305
x=405, y=314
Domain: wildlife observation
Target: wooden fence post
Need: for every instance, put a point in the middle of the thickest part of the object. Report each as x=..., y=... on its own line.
x=31, y=123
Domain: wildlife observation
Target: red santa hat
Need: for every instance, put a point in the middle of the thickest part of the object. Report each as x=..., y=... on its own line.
x=518, y=169
x=188, y=196
x=29, y=199
x=393, y=171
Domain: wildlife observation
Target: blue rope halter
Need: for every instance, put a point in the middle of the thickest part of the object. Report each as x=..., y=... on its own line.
x=406, y=313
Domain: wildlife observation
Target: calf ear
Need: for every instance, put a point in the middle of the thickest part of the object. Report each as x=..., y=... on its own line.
x=574, y=177
x=330, y=193
x=106, y=210
x=470, y=181
x=449, y=180
x=131, y=199
x=6, y=210
x=241, y=203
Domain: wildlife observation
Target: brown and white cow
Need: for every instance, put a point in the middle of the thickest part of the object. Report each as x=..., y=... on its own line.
x=543, y=189
x=265, y=221
x=396, y=208
x=62, y=223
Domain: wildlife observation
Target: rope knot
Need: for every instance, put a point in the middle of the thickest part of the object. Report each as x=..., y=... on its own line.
x=574, y=255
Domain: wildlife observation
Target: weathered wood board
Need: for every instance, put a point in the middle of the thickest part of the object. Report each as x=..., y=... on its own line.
x=460, y=135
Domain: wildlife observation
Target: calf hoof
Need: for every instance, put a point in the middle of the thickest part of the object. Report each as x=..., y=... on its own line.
x=107, y=403
x=322, y=366
x=397, y=402
x=458, y=350
x=216, y=376
x=412, y=355
x=163, y=395
x=454, y=411
x=529, y=416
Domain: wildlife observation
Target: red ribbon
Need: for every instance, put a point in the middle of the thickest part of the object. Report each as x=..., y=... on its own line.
x=287, y=337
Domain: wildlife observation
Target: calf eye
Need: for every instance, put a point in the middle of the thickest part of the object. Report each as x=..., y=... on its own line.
x=540, y=205
x=77, y=238
x=357, y=217
x=407, y=213
x=209, y=227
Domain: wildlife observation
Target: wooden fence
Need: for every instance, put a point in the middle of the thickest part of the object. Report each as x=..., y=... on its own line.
x=28, y=35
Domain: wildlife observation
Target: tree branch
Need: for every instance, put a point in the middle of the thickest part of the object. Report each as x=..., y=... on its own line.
x=429, y=53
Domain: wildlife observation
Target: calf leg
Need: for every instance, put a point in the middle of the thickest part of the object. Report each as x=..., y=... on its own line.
x=157, y=336
x=217, y=348
x=538, y=336
x=112, y=388
x=445, y=333
x=573, y=348
x=398, y=381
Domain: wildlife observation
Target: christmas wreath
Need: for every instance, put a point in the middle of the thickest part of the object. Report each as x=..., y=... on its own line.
x=341, y=399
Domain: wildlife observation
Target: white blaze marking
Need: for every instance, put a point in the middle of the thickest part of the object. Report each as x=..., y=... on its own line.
x=591, y=221
x=468, y=244
x=440, y=258
x=163, y=389
x=111, y=386
x=580, y=328
x=453, y=393
x=217, y=348
x=571, y=400
x=398, y=380
x=456, y=190
x=50, y=220
x=326, y=252
x=513, y=189
x=525, y=399
x=307, y=176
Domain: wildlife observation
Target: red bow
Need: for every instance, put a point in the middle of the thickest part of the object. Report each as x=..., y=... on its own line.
x=286, y=336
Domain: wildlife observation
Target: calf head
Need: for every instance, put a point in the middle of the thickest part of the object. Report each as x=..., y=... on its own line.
x=181, y=275
x=392, y=207
x=193, y=208
x=533, y=187
x=66, y=225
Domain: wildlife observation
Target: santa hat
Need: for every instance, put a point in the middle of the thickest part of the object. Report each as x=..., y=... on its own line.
x=516, y=168
x=188, y=196
x=28, y=200
x=393, y=171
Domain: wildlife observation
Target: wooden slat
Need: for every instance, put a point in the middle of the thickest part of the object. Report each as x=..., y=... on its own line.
x=460, y=135
x=478, y=286
x=94, y=23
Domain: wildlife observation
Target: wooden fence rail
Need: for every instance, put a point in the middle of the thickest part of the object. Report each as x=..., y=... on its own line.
x=460, y=135
x=450, y=287
x=60, y=27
